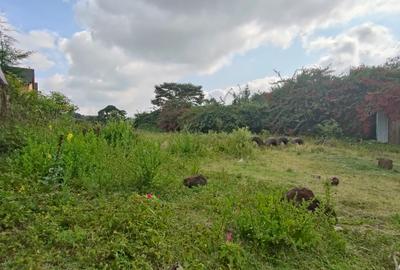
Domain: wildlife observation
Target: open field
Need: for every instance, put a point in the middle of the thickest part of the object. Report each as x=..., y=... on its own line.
x=89, y=208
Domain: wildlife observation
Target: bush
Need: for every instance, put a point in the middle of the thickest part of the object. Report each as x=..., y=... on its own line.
x=329, y=128
x=147, y=120
x=117, y=132
x=238, y=144
x=185, y=144
x=11, y=138
x=216, y=118
x=146, y=159
x=273, y=224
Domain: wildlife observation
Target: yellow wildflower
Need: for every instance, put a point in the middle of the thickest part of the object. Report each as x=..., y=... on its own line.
x=70, y=136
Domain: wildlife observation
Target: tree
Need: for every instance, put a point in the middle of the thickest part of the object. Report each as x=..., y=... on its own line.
x=9, y=54
x=111, y=112
x=186, y=93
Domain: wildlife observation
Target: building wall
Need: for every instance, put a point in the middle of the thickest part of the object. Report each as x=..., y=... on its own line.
x=394, y=132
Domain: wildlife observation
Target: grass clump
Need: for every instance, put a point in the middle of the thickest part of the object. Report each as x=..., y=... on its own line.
x=272, y=224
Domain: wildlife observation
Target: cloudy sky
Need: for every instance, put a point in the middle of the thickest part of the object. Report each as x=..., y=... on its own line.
x=101, y=52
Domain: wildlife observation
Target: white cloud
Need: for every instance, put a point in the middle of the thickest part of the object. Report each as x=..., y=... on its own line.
x=255, y=86
x=129, y=46
x=38, y=61
x=37, y=39
x=368, y=44
x=40, y=42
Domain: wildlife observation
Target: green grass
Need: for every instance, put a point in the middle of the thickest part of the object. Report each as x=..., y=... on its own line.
x=97, y=215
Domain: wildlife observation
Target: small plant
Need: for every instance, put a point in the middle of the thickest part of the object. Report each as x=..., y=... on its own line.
x=233, y=256
x=56, y=171
x=146, y=161
x=329, y=129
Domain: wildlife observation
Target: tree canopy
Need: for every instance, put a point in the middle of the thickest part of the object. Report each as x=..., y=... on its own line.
x=111, y=112
x=9, y=54
x=182, y=93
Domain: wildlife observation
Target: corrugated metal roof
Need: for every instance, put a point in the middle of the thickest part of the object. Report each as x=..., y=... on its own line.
x=2, y=77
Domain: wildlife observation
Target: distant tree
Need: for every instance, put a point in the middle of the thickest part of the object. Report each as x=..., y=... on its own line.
x=182, y=93
x=173, y=100
x=9, y=54
x=170, y=114
x=147, y=120
x=242, y=97
x=111, y=112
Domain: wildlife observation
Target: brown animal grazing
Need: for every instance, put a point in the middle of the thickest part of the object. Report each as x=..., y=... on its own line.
x=194, y=181
x=283, y=140
x=334, y=181
x=271, y=142
x=257, y=140
x=385, y=163
x=298, y=195
x=298, y=141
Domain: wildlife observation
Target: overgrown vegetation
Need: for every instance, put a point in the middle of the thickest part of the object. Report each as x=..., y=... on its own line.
x=84, y=193
x=312, y=102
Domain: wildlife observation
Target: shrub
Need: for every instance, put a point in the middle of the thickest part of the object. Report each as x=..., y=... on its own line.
x=237, y=143
x=11, y=138
x=146, y=159
x=117, y=132
x=329, y=128
x=147, y=120
x=185, y=144
x=273, y=224
x=214, y=117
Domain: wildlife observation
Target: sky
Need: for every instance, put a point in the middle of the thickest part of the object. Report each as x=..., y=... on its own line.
x=100, y=52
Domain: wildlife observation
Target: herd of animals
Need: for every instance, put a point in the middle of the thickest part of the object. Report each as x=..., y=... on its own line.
x=272, y=141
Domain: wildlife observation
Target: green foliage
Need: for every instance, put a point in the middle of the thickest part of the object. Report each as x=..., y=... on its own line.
x=237, y=144
x=9, y=54
x=82, y=210
x=273, y=224
x=147, y=120
x=118, y=132
x=12, y=137
x=147, y=158
x=111, y=112
x=183, y=94
x=127, y=231
x=170, y=114
x=186, y=144
x=216, y=118
x=32, y=107
x=329, y=129
x=233, y=256
x=220, y=118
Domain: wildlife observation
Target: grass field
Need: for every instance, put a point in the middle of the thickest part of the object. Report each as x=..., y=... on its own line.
x=90, y=208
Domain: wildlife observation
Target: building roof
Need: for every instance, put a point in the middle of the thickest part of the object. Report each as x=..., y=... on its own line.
x=27, y=75
x=2, y=78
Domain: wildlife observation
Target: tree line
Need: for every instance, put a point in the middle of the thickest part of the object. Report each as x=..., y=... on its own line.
x=312, y=101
